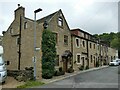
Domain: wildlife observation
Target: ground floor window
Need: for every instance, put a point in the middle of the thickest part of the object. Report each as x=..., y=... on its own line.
x=57, y=60
x=78, y=58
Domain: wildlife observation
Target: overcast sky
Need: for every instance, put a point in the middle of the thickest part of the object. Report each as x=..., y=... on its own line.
x=93, y=16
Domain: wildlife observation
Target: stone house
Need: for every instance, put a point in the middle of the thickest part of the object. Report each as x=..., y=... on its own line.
x=57, y=23
x=18, y=41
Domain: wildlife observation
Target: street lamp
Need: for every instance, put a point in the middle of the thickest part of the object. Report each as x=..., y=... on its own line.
x=34, y=58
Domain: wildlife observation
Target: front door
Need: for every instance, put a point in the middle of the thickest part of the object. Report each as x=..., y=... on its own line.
x=65, y=65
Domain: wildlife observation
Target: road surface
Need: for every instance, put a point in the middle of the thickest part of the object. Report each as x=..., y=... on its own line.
x=103, y=78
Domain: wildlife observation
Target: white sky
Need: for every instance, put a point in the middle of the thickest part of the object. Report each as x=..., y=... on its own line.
x=93, y=16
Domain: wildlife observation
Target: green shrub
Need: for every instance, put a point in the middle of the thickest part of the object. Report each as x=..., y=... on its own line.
x=60, y=72
x=87, y=67
x=47, y=74
x=60, y=69
x=81, y=68
x=48, y=54
x=70, y=70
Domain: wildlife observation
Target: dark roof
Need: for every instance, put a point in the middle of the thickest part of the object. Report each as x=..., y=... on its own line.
x=47, y=18
x=81, y=31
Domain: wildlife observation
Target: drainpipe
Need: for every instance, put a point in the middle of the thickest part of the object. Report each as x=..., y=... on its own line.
x=72, y=50
x=87, y=53
x=19, y=52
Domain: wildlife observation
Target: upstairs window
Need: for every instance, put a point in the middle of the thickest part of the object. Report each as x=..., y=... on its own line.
x=56, y=37
x=65, y=40
x=83, y=43
x=90, y=45
x=94, y=46
x=18, y=41
x=77, y=41
x=60, y=21
x=25, y=25
x=11, y=30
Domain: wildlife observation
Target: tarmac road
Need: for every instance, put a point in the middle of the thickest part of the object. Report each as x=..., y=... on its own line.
x=102, y=78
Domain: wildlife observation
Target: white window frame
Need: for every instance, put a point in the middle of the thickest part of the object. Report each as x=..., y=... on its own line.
x=78, y=42
x=60, y=21
x=76, y=58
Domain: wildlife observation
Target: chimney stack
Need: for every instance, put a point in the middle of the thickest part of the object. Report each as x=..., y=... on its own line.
x=20, y=11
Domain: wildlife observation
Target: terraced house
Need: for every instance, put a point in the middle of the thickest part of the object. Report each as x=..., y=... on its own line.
x=74, y=47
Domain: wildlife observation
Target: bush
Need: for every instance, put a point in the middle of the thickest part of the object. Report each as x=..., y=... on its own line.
x=70, y=70
x=60, y=69
x=60, y=72
x=81, y=68
x=87, y=67
x=48, y=54
x=47, y=74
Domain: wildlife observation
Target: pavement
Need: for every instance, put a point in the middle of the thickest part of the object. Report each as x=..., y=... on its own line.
x=67, y=75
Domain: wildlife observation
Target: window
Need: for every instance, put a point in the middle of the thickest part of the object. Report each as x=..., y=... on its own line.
x=25, y=25
x=78, y=58
x=7, y=62
x=90, y=45
x=57, y=61
x=56, y=37
x=77, y=42
x=60, y=21
x=11, y=30
x=94, y=46
x=18, y=41
x=65, y=40
x=83, y=43
x=91, y=58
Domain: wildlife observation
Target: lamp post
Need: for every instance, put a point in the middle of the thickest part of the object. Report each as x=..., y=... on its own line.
x=34, y=58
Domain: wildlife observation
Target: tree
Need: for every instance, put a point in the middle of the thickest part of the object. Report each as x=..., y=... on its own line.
x=48, y=54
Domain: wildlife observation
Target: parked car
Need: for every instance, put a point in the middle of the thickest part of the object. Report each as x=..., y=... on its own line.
x=3, y=70
x=115, y=62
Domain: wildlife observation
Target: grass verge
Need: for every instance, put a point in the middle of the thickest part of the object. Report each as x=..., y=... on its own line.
x=30, y=84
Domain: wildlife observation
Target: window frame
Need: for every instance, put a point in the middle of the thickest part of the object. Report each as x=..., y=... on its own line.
x=77, y=44
x=78, y=54
x=91, y=57
x=57, y=61
x=60, y=21
x=65, y=40
x=17, y=40
x=56, y=37
x=25, y=25
x=11, y=30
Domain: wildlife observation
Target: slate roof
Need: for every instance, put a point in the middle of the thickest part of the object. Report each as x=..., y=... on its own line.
x=46, y=18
